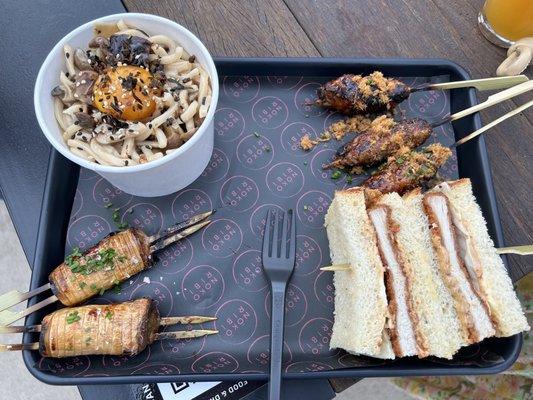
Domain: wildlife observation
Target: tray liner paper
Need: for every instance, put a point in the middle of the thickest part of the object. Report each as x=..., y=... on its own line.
x=257, y=164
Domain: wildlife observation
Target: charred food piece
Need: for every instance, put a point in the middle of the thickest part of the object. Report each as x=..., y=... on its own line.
x=356, y=94
x=380, y=141
x=115, y=329
x=113, y=260
x=409, y=169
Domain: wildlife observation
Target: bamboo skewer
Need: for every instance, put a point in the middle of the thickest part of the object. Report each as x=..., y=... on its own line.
x=520, y=250
x=157, y=242
x=492, y=124
x=501, y=82
x=491, y=100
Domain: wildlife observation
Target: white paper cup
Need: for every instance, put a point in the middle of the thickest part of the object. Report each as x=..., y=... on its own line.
x=156, y=178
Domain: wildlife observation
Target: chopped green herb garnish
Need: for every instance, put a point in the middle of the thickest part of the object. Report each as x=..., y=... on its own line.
x=306, y=115
x=73, y=317
x=109, y=205
x=349, y=180
x=109, y=314
x=117, y=289
x=87, y=264
x=400, y=160
x=336, y=174
x=268, y=149
x=130, y=211
x=102, y=291
x=305, y=162
x=123, y=225
x=83, y=285
x=257, y=134
x=369, y=82
x=306, y=208
x=94, y=288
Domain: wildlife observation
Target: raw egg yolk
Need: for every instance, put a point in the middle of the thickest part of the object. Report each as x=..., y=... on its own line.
x=125, y=93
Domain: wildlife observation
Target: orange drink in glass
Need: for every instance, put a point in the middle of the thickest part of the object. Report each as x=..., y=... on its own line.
x=506, y=21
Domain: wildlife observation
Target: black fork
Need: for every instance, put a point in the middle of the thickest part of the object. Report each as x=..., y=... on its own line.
x=278, y=264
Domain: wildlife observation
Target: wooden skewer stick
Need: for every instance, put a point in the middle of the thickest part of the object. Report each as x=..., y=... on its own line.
x=178, y=227
x=158, y=336
x=161, y=244
x=492, y=124
x=500, y=82
x=9, y=299
x=520, y=250
x=14, y=297
x=491, y=100
x=165, y=321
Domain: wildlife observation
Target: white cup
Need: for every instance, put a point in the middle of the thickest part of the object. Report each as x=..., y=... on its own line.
x=156, y=178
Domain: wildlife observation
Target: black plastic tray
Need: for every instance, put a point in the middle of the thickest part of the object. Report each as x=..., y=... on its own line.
x=472, y=162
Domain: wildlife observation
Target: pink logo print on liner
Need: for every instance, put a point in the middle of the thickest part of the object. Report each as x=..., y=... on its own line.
x=239, y=193
x=189, y=203
x=106, y=195
x=259, y=352
x=428, y=103
x=229, y=124
x=308, y=256
x=222, y=238
x=255, y=152
x=308, y=366
x=216, y=361
x=176, y=257
x=77, y=204
x=258, y=219
x=203, y=286
x=324, y=289
x=285, y=179
x=295, y=305
x=270, y=112
x=241, y=89
x=321, y=158
x=311, y=208
x=314, y=337
x=71, y=366
x=292, y=135
x=157, y=369
x=284, y=82
x=304, y=100
x=217, y=168
x=236, y=321
x=87, y=231
x=248, y=271
x=145, y=216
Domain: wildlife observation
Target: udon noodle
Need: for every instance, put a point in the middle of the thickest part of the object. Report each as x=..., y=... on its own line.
x=130, y=98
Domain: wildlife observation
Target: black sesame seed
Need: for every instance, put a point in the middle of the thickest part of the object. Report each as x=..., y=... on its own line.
x=67, y=55
x=150, y=126
x=67, y=74
x=80, y=148
x=192, y=59
x=76, y=122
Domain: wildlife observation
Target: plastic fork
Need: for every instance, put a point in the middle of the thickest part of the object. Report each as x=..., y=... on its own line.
x=278, y=263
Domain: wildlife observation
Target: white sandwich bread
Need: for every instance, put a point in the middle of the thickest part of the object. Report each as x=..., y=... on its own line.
x=486, y=271
x=360, y=298
x=434, y=321
x=424, y=278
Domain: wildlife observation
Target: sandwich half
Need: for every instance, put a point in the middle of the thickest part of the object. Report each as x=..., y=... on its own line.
x=423, y=317
x=360, y=299
x=493, y=304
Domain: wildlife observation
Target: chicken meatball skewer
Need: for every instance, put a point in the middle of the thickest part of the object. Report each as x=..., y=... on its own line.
x=357, y=94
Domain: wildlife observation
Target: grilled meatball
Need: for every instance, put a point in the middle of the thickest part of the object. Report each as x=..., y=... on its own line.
x=116, y=258
x=408, y=169
x=355, y=94
x=116, y=329
x=381, y=141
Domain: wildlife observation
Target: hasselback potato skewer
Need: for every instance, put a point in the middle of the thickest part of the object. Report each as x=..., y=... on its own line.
x=114, y=259
x=385, y=136
x=356, y=94
x=116, y=329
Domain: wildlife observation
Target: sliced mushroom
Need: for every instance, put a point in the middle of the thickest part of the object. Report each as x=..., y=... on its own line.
x=99, y=42
x=85, y=121
x=84, y=85
x=131, y=50
x=81, y=61
x=64, y=94
x=173, y=137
